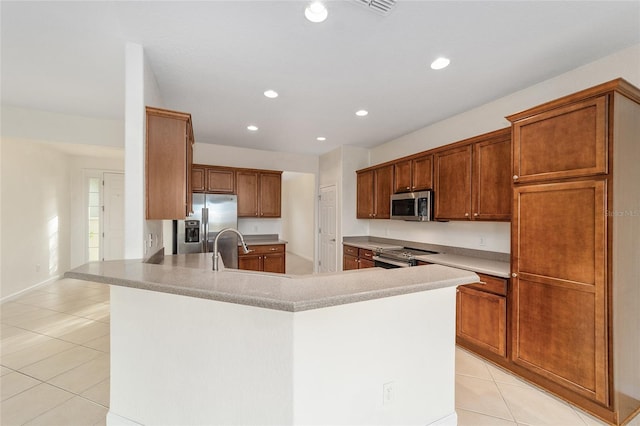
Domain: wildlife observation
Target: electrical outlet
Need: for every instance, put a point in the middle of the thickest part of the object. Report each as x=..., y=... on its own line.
x=387, y=393
x=483, y=240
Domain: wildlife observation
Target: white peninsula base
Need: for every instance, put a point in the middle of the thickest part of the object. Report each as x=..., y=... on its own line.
x=190, y=361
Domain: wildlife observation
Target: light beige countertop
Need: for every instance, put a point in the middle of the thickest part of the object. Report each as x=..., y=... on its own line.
x=475, y=264
x=263, y=240
x=372, y=245
x=191, y=275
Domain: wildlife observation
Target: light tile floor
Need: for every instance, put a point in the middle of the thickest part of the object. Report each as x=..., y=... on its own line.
x=54, y=358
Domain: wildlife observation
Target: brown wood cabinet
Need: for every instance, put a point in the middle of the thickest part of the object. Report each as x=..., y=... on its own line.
x=213, y=179
x=472, y=179
x=356, y=258
x=563, y=142
x=575, y=268
x=259, y=193
x=453, y=184
x=414, y=174
x=169, y=155
x=263, y=258
x=374, y=188
x=481, y=315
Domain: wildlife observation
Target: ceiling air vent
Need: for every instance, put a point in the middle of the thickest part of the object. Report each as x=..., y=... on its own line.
x=382, y=7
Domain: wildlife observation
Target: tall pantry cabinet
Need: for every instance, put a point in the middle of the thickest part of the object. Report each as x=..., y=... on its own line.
x=575, y=314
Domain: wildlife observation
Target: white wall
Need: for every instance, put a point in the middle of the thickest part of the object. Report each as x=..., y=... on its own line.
x=338, y=167
x=298, y=213
x=35, y=214
x=47, y=126
x=488, y=117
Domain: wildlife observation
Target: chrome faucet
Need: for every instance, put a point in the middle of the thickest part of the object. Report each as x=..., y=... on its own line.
x=215, y=245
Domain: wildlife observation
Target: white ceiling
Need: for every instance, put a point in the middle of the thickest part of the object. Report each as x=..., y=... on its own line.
x=214, y=59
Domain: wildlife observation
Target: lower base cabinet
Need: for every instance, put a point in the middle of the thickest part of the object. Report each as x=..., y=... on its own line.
x=263, y=258
x=356, y=258
x=481, y=315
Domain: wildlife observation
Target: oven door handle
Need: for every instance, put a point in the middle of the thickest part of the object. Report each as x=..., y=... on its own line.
x=391, y=262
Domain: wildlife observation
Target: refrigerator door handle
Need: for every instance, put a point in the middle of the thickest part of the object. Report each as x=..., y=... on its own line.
x=205, y=229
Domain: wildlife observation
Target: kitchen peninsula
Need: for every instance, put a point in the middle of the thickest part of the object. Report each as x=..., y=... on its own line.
x=193, y=346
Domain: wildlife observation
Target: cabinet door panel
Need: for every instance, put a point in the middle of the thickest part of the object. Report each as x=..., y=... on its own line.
x=364, y=263
x=197, y=179
x=561, y=231
x=247, y=183
x=365, y=195
x=422, y=173
x=402, y=176
x=270, y=189
x=453, y=184
x=220, y=181
x=560, y=315
x=482, y=319
x=492, y=180
x=274, y=263
x=349, y=262
x=565, y=142
x=383, y=189
x=250, y=263
x=558, y=335
x=166, y=167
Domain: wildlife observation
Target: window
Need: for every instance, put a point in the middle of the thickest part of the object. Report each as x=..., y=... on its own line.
x=93, y=234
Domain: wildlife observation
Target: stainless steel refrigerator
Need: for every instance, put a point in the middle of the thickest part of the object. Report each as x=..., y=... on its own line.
x=211, y=213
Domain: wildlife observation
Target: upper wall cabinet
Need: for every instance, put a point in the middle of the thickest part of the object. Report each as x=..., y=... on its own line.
x=169, y=155
x=213, y=179
x=259, y=193
x=472, y=179
x=564, y=142
x=374, y=193
x=453, y=183
x=413, y=174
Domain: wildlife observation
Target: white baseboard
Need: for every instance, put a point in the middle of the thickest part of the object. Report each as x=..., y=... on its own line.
x=28, y=289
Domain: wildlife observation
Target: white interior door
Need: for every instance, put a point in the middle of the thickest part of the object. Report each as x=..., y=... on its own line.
x=113, y=229
x=328, y=246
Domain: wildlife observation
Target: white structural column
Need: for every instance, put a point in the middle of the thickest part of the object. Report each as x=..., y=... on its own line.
x=134, y=152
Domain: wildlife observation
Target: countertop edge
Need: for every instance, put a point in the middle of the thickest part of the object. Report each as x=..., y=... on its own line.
x=266, y=302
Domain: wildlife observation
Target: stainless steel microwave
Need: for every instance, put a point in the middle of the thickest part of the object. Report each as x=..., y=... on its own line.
x=416, y=206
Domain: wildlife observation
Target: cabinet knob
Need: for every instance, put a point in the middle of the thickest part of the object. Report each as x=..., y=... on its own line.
x=475, y=214
x=515, y=177
x=514, y=275
x=273, y=249
x=466, y=214
x=408, y=187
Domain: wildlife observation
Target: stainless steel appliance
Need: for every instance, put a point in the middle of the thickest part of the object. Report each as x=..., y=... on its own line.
x=414, y=206
x=398, y=258
x=212, y=213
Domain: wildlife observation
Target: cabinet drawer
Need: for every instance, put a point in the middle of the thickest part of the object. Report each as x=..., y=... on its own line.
x=491, y=284
x=350, y=250
x=263, y=249
x=365, y=254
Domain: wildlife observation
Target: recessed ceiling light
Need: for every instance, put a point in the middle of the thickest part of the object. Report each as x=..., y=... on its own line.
x=316, y=12
x=271, y=94
x=440, y=63
x=362, y=113
x=321, y=138
x=252, y=128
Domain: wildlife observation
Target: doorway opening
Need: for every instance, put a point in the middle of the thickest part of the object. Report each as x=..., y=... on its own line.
x=104, y=218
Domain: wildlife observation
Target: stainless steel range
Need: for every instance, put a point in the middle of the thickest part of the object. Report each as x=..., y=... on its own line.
x=398, y=258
